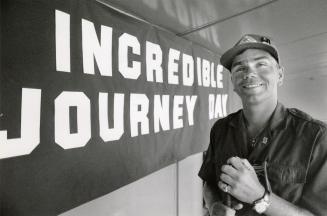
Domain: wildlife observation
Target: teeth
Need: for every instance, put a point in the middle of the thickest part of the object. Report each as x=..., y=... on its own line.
x=252, y=85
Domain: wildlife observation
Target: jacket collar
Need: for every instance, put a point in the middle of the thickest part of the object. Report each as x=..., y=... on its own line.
x=278, y=118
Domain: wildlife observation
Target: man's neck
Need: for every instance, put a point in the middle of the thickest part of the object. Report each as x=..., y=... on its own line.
x=258, y=115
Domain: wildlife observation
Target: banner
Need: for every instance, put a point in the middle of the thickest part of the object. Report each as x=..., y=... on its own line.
x=91, y=100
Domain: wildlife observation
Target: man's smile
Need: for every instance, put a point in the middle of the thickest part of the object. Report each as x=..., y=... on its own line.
x=252, y=85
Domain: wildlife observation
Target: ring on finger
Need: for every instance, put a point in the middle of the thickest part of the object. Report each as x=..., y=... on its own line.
x=226, y=188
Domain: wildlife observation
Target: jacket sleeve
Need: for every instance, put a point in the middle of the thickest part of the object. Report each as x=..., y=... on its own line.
x=207, y=171
x=314, y=196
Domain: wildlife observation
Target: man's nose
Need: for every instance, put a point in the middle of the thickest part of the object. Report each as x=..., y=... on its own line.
x=249, y=73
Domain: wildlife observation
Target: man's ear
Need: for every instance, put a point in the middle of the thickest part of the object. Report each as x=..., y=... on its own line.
x=280, y=75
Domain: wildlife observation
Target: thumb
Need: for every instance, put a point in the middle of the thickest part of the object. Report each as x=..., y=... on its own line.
x=237, y=206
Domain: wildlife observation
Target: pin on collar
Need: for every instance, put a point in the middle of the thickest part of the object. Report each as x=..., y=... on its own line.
x=265, y=140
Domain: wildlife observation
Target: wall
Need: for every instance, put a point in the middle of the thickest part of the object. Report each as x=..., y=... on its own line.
x=302, y=92
x=173, y=191
x=307, y=94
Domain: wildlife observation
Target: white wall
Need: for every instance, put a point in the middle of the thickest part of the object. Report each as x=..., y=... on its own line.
x=190, y=186
x=173, y=191
x=302, y=92
x=307, y=94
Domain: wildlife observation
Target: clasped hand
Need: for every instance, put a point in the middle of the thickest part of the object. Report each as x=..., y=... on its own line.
x=238, y=178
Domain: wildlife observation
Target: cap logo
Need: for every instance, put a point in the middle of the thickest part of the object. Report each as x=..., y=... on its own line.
x=247, y=39
x=265, y=40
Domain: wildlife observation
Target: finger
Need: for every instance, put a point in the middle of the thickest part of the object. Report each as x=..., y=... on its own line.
x=229, y=160
x=229, y=170
x=226, y=179
x=238, y=206
x=236, y=162
x=224, y=187
x=247, y=164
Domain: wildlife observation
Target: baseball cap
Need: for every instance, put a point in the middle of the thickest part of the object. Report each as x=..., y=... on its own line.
x=248, y=41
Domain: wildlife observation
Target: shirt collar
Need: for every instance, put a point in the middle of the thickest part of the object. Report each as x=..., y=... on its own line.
x=277, y=119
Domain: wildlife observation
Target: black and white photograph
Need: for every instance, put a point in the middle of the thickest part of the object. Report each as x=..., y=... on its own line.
x=163, y=107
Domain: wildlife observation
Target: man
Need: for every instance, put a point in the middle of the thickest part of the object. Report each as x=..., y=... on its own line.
x=264, y=159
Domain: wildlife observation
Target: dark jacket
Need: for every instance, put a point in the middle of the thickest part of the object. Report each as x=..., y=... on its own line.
x=293, y=144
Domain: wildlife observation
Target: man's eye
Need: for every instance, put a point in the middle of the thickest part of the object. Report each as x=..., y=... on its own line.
x=240, y=69
x=262, y=64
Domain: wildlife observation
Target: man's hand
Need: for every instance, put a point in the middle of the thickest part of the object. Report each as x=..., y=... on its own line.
x=239, y=179
x=215, y=206
x=219, y=209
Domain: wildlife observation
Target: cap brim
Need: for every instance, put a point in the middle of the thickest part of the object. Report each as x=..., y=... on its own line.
x=227, y=58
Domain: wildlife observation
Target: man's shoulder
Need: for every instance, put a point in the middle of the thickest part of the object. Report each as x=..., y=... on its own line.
x=304, y=117
x=230, y=118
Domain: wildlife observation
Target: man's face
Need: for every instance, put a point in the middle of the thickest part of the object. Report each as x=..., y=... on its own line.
x=255, y=75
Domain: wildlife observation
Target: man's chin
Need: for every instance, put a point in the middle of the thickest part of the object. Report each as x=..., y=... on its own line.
x=252, y=99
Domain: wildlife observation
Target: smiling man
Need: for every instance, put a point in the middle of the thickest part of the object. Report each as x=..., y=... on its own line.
x=265, y=158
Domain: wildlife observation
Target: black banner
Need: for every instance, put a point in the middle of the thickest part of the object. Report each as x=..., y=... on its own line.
x=91, y=100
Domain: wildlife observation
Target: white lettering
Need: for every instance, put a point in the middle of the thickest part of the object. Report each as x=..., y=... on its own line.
x=153, y=62
x=199, y=69
x=63, y=137
x=206, y=72
x=211, y=106
x=178, y=111
x=220, y=76
x=62, y=41
x=212, y=75
x=92, y=48
x=125, y=41
x=188, y=70
x=173, y=56
x=161, y=113
x=218, y=107
x=139, y=108
x=29, y=128
x=190, y=104
x=224, y=104
x=114, y=133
